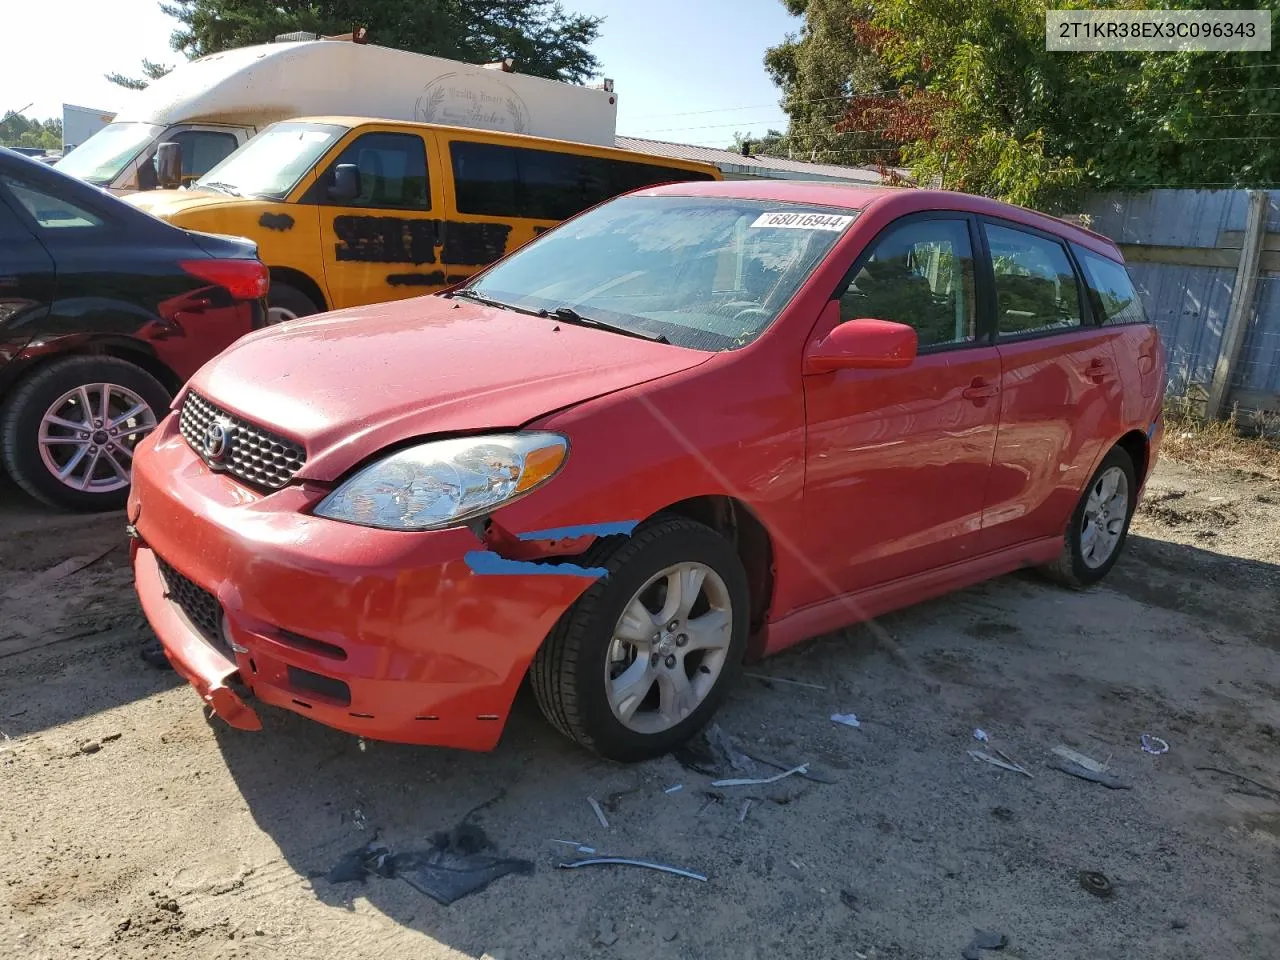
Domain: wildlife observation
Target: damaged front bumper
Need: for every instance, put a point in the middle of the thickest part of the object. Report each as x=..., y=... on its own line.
x=408, y=637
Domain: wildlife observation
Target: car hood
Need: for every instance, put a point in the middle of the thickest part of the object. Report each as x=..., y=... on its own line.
x=170, y=203
x=347, y=384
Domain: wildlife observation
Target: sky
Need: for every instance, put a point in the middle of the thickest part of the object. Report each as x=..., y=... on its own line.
x=689, y=71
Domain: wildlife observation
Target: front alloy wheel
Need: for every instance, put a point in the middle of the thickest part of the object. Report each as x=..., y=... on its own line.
x=640, y=662
x=669, y=647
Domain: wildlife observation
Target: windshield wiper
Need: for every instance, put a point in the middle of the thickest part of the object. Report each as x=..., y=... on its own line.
x=570, y=315
x=220, y=187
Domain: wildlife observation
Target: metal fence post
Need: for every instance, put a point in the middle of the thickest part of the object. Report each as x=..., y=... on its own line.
x=1243, y=296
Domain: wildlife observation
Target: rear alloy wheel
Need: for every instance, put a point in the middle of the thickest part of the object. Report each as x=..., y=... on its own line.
x=643, y=658
x=70, y=430
x=1099, y=525
x=287, y=303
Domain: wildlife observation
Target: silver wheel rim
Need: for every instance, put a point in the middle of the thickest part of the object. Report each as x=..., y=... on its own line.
x=279, y=315
x=668, y=648
x=1105, y=512
x=88, y=435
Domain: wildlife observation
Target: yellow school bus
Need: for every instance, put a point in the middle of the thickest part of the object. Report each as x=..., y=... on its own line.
x=348, y=211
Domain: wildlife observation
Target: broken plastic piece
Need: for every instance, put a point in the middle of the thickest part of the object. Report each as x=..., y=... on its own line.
x=794, y=683
x=1079, y=759
x=746, y=805
x=628, y=862
x=753, y=782
x=676, y=788
x=712, y=753
x=599, y=812
x=1154, y=745
x=455, y=865
x=848, y=719
x=1085, y=773
x=810, y=774
x=1005, y=764
x=981, y=735
x=983, y=940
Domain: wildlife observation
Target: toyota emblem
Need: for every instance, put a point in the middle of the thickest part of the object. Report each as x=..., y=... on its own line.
x=217, y=438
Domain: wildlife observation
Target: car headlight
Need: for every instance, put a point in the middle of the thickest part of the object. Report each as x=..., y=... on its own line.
x=445, y=482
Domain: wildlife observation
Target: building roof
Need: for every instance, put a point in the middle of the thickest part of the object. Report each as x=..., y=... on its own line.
x=732, y=162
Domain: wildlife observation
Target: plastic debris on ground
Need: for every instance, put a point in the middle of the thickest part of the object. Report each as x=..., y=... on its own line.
x=984, y=940
x=811, y=773
x=1088, y=773
x=764, y=677
x=579, y=847
x=758, y=781
x=1003, y=763
x=846, y=719
x=630, y=862
x=713, y=754
x=981, y=735
x=1079, y=759
x=1152, y=744
x=458, y=862
x=674, y=789
x=599, y=812
x=746, y=806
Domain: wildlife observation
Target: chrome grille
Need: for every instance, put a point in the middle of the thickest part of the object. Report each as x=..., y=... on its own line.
x=200, y=606
x=257, y=457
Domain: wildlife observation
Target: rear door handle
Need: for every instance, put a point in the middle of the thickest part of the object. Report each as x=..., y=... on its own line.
x=1100, y=370
x=980, y=390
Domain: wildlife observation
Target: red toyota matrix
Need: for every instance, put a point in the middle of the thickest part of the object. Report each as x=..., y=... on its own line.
x=696, y=424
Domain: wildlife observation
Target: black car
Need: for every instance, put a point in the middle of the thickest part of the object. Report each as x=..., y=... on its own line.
x=104, y=312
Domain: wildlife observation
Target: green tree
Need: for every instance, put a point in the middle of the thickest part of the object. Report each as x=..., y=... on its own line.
x=150, y=71
x=820, y=71
x=17, y=131
x=772, y=144
x=542, y=38
x=972, y=98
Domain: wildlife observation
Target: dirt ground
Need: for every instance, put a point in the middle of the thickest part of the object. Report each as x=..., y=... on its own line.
x=130, y=827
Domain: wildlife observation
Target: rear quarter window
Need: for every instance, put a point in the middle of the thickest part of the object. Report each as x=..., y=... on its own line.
x=1114, y=298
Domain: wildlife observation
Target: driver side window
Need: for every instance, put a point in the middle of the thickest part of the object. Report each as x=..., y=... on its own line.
x=919, y=273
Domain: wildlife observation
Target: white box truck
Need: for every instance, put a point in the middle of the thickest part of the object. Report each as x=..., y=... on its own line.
x=213, y=105
x=81, y=123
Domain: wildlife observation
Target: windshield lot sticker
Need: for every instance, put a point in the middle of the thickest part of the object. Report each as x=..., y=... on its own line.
x=802, y=221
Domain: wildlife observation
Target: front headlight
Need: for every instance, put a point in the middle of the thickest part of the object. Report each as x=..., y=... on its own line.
x=445, y=482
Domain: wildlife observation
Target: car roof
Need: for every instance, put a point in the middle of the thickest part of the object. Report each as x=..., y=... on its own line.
x=893, y=201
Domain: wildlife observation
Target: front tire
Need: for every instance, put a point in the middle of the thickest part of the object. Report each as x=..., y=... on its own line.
x=68, y=432
x=641, y=661
x=1099, y=525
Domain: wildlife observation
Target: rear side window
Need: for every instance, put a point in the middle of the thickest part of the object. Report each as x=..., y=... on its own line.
x=1114, y=299
x=499, y=181
x=1036, y=289
x=50, y=212
x=393, y=171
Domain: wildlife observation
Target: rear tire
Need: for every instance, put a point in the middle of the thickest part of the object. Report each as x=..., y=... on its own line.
x=288, y=303
x=578, y=672
x=1099, y=524
x=40, y=430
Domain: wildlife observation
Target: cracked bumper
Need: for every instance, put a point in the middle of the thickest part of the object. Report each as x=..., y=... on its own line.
x=409, y=643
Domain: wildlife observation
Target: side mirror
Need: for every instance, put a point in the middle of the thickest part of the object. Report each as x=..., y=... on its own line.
x=346, y=182
x=169, y=165
x=863, y=345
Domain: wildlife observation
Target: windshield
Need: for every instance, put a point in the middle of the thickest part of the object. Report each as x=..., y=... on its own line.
x=272, y=162
x=707, y=273
x=101, y=158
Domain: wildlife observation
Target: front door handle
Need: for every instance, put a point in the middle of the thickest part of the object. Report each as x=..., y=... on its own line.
x=980, y=390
